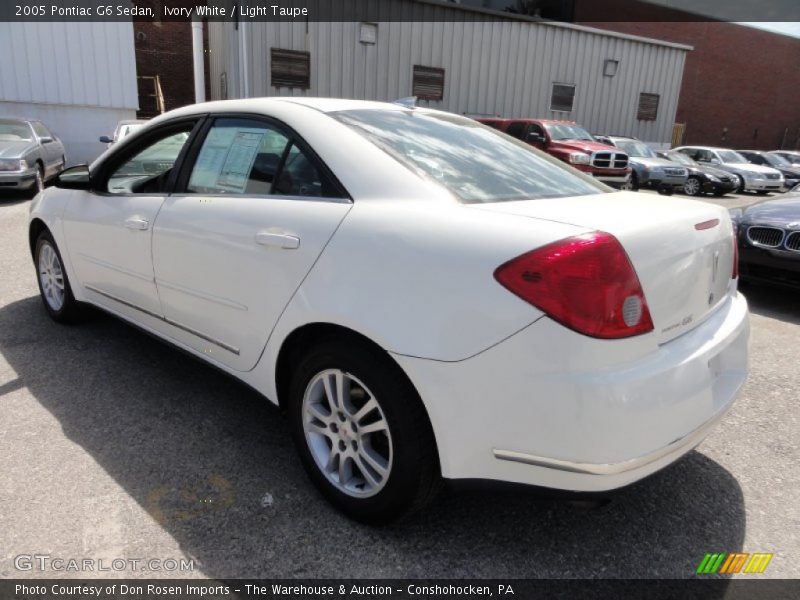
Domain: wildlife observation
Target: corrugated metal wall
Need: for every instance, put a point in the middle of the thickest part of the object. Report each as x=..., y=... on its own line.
x=77, y=78
x=499, y=67
x=85, y=64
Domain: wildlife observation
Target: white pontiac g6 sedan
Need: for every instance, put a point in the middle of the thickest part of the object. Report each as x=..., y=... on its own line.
x=425, y=297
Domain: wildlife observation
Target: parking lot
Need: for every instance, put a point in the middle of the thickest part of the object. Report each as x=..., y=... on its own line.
x=115, y=445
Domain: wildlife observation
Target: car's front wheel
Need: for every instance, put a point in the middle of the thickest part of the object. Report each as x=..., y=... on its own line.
x=362, y=433
x=54, y=286
x=38, y=182
x=693, y=187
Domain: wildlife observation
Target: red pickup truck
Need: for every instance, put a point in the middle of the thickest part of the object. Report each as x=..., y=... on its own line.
x=572, y=144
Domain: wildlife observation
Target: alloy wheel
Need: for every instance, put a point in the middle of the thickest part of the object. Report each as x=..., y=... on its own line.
x=692, y=186
x=347, y=433
x=51, y=276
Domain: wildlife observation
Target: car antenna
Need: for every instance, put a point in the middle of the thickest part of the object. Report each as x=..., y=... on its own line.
x=409, y=102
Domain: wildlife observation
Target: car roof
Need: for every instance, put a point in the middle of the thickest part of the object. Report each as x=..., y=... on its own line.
x=267, y=103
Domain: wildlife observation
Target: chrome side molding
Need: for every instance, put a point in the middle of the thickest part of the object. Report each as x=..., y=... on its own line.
x=223, y=345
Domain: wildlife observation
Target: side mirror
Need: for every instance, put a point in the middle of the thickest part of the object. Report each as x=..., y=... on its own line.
x=74, y=178
x=105, y=139
x=535, y=138
x=46, y=139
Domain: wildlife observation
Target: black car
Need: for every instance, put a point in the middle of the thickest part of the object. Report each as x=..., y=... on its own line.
x=768, y=236
x=790, y=172
x=702, y=178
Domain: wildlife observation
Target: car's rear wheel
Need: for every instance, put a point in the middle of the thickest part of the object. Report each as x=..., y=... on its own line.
x=362, y=433
x=740, y=186
x=54, y=286
x=693, y=186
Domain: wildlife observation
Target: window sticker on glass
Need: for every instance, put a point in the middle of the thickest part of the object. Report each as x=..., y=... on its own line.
x=239, y=161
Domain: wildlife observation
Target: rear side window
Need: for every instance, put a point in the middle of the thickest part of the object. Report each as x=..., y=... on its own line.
x=245, y=156
x=474, y=162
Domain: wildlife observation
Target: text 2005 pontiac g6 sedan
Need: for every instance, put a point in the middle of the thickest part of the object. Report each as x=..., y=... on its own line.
x=426, y=297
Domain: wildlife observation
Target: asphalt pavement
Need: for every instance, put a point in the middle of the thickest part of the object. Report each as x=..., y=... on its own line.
x=114, y=445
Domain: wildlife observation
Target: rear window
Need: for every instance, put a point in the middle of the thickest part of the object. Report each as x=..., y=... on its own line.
x=474, y=162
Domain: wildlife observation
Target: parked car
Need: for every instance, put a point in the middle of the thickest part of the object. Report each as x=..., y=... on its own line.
x=791, y=174
x=571, y=143
x=123, y=130
x=793, y=156
x=702, y=179
x=769, y=241
x=30, y=155
x=424, y=296
x=752, y=178
x=649, y=170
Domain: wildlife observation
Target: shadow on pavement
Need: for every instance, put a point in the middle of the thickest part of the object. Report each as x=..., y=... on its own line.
x=201, y=452
x=777, y=303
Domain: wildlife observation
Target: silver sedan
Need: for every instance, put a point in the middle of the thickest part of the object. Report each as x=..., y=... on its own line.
x=29, y=155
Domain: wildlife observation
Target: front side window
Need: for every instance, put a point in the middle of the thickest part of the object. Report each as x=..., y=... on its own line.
x=15, y=131
x=777, y=161
x=517, y=130
x=680, y=157
x=729, y=156
x=148, y=169
x=41, y=130
x=474, y=162
x=565, y=131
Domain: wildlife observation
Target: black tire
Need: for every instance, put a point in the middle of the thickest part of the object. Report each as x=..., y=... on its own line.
x=632, y=185
x=689, y=188
x=414, y=476
x=38, y=184
x=71, y=310
x=719, y=194
x=740, y=187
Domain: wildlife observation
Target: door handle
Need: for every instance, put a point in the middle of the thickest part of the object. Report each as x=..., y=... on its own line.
x=137, y=223
x=277, y=240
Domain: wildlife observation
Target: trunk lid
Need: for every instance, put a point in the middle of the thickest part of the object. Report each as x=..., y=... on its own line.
x=682, y=250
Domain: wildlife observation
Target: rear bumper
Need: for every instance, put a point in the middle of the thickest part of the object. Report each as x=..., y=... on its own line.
x=552, y=408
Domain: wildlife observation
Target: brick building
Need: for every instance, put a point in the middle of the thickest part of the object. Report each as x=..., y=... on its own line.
x=740, y=85
x=164, y=66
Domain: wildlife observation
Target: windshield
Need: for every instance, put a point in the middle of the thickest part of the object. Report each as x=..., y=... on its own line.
x=568, y=132
x=15, y=131
x=634, y=148
x=729, y=156
x=680, y=157
x=473, y=161
x=777, y=161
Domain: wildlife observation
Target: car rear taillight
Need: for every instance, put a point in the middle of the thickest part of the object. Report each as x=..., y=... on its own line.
x=586, y=283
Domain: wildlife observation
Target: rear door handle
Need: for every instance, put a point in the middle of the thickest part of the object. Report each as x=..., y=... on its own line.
x=137, y=223
x=277, y=240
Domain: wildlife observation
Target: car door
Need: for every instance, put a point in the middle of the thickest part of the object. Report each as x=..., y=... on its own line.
x=109, y=229
x=255, y=210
